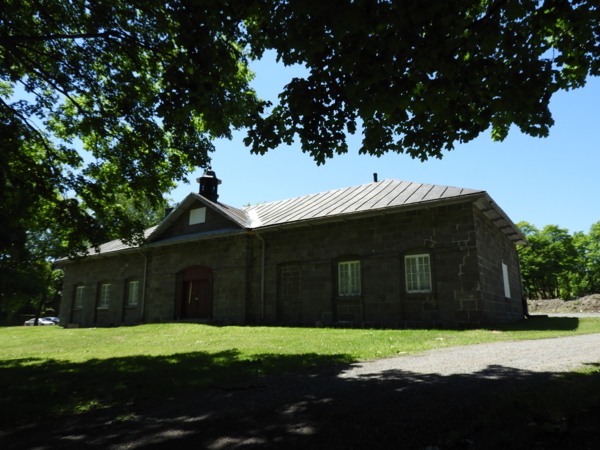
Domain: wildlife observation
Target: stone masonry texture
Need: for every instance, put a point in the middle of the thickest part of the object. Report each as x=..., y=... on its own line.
x=301, y=273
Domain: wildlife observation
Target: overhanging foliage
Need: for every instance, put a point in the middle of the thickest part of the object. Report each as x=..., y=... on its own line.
x=147, y=84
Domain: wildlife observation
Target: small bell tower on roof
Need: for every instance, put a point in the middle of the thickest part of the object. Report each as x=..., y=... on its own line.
x=209, y=185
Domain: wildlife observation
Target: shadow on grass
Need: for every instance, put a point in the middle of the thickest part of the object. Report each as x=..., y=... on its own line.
x=40, y=387
x=14, y=321
x=545, y=324
x=496, y=408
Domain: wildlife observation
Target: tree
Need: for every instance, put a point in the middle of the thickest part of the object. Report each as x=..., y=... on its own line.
x=147, y=84
x=138, y=209
x=580, y=279
x=421, y=75
x=593, y=258
x=144, y=85
x=36, y=285
x=49, y=286
x=548, y=262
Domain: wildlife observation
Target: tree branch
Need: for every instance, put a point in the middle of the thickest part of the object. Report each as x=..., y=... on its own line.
x=76, y=73
x=11, y=40
x=40, y=72
x=36, y=131
x=487, y=15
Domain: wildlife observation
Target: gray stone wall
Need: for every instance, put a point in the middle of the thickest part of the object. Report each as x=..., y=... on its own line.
x=91, y=273
x=493, y=249
x=301, y=274
x=301, y=286
x=226, y=256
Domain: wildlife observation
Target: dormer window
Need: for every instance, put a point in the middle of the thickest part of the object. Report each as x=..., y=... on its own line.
x=197, y=216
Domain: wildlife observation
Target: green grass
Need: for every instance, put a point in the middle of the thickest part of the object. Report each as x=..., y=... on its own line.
x=78, y=370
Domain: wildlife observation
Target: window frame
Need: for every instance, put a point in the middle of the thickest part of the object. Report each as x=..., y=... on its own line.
x=78, y=303
x=342, y=291
x=408, y=282
x=104, y=299
x=136, y=292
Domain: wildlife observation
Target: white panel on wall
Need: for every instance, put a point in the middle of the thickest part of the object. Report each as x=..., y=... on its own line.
x=197, y=216
x=505, y=277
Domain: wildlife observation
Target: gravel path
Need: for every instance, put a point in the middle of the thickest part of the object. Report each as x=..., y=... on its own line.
x=409, y=402
x=545, y=355
x=571, y=314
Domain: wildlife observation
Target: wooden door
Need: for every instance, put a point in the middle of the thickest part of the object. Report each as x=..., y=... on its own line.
x=289, y=301
x=196, y=293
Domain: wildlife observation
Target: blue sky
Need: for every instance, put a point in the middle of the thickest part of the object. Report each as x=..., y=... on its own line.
x=543, y=181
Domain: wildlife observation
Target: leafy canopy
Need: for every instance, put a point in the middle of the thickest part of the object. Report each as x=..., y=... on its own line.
x=556, y=264
x=421, y=75
x=146, y=85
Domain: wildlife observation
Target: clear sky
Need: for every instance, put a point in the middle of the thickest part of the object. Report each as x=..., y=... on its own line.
x=554, y=180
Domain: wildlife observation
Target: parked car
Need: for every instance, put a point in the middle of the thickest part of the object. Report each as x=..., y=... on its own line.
x=41, y=322
x=56, y=320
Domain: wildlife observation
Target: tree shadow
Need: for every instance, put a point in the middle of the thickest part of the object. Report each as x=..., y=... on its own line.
x=36, y=387
x=539, y=324
x=334, y=407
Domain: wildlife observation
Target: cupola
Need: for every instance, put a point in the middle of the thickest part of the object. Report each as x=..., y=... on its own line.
x=209, y=185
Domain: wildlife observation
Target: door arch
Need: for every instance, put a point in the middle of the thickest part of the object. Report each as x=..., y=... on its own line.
x=195, y=300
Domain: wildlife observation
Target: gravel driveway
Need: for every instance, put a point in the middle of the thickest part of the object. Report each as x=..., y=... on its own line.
x=544, y=355
x=409, y=402
x=571, y=314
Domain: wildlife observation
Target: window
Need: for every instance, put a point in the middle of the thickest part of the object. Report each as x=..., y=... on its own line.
x=79, y=297
x=505, y=278
x=134, y=293
x=104, y=296
x=418, y=273
x=197, y=216
x=349, y=278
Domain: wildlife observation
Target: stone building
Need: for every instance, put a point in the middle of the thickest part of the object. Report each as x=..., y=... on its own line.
x=385, y=254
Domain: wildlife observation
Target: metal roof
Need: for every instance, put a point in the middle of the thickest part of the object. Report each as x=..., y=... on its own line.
x=378, y=195
x=113, y=246
x=371, y=197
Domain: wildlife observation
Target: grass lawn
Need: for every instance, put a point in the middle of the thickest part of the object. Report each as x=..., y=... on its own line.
x=49, y=371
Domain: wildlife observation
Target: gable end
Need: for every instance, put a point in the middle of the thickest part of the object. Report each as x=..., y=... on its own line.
x=195, y=219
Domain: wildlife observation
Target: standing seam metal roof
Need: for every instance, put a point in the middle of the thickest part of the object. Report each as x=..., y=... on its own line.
x=374, y=196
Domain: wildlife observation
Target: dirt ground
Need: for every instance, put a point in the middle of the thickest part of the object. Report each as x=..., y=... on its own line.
x=589, y=304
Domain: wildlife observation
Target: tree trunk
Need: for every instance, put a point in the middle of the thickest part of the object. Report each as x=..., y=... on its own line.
x=39, y=310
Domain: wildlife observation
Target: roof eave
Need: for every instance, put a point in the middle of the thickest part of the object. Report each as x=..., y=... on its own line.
x=96, y=255
x=501, y=220
x=184, y=239
x=192, y=238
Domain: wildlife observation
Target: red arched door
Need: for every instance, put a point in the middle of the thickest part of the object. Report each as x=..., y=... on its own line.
x=196, y=293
